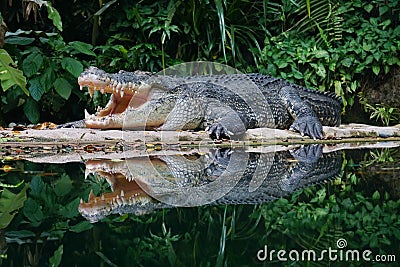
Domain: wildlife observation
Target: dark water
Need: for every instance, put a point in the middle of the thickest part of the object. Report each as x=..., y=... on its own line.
x=312, y=205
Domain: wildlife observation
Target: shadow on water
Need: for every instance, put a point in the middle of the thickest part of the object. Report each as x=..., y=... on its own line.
x=315, y=204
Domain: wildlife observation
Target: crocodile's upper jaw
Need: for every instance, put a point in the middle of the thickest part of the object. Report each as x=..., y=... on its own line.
x=125, y=94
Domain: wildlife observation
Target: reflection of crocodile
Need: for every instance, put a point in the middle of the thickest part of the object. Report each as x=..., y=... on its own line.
x=226, y=105
x=142, y=185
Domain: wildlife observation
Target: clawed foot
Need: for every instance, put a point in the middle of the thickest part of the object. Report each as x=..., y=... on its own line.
x=308, y=154
x=219, y=164
x=308, y=125
x=218, y=131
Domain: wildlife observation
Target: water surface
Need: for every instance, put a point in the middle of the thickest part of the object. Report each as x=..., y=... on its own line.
x=235, y=207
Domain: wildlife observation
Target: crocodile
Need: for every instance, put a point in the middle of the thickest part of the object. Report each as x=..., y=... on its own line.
x=224, y=105
x=142, y=185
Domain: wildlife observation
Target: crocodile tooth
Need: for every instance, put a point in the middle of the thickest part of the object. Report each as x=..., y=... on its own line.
x=121, y=93
x=81, y=201
x=130, y=85
x=119, y=86
x=87, y=115
x=91, y=195
x=103, y=198
x=119, y=201
x=91, y=91
x=122, y=193
x=95, y=200
x=87, y=172
x=80, y=87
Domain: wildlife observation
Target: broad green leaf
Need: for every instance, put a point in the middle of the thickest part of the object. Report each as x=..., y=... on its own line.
x=368, y=7
x=368, y=205
x=297, y=74
x=19, y=40
x=282, y=64
x=82, y=47
x=347, y=62
x=31, y=110
x=9, y=75
x=81, y=227
x=33, y=212
x=72, y=65
x=36, y=89
x=9, y=204
x=63, y=186
x=55, y=260
x=54, y=16
x=321, y=54
x=70, y=210
x=37, y=186
x=376, y=69
x=321, y=211
x=383, y=9
x=320, y=70
x=20, y=234
x=376, y=195
x=32, y=63
x=47, y=78
x=377, y=55
x=63, y=87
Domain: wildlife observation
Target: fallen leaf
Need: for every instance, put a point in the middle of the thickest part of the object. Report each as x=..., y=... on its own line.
x=44, y=125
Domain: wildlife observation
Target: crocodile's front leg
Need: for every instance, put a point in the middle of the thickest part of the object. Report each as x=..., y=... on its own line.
x=307, y=158
x=223, y=122
x=187, y=114
x=305, y=120
x=220, y=120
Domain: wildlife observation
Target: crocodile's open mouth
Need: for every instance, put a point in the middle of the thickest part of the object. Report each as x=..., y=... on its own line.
x=125, y=93
x=125, y=192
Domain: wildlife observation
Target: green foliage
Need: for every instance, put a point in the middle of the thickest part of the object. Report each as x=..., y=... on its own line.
x=364, y=221
x=9, y=204
x=53, y=15
x=52, y=68
x=383, y=113
x=322, y=19
x=55, y=260
x=151, y=35
x=329, y=45
x=9, y=75
x=371, y=47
